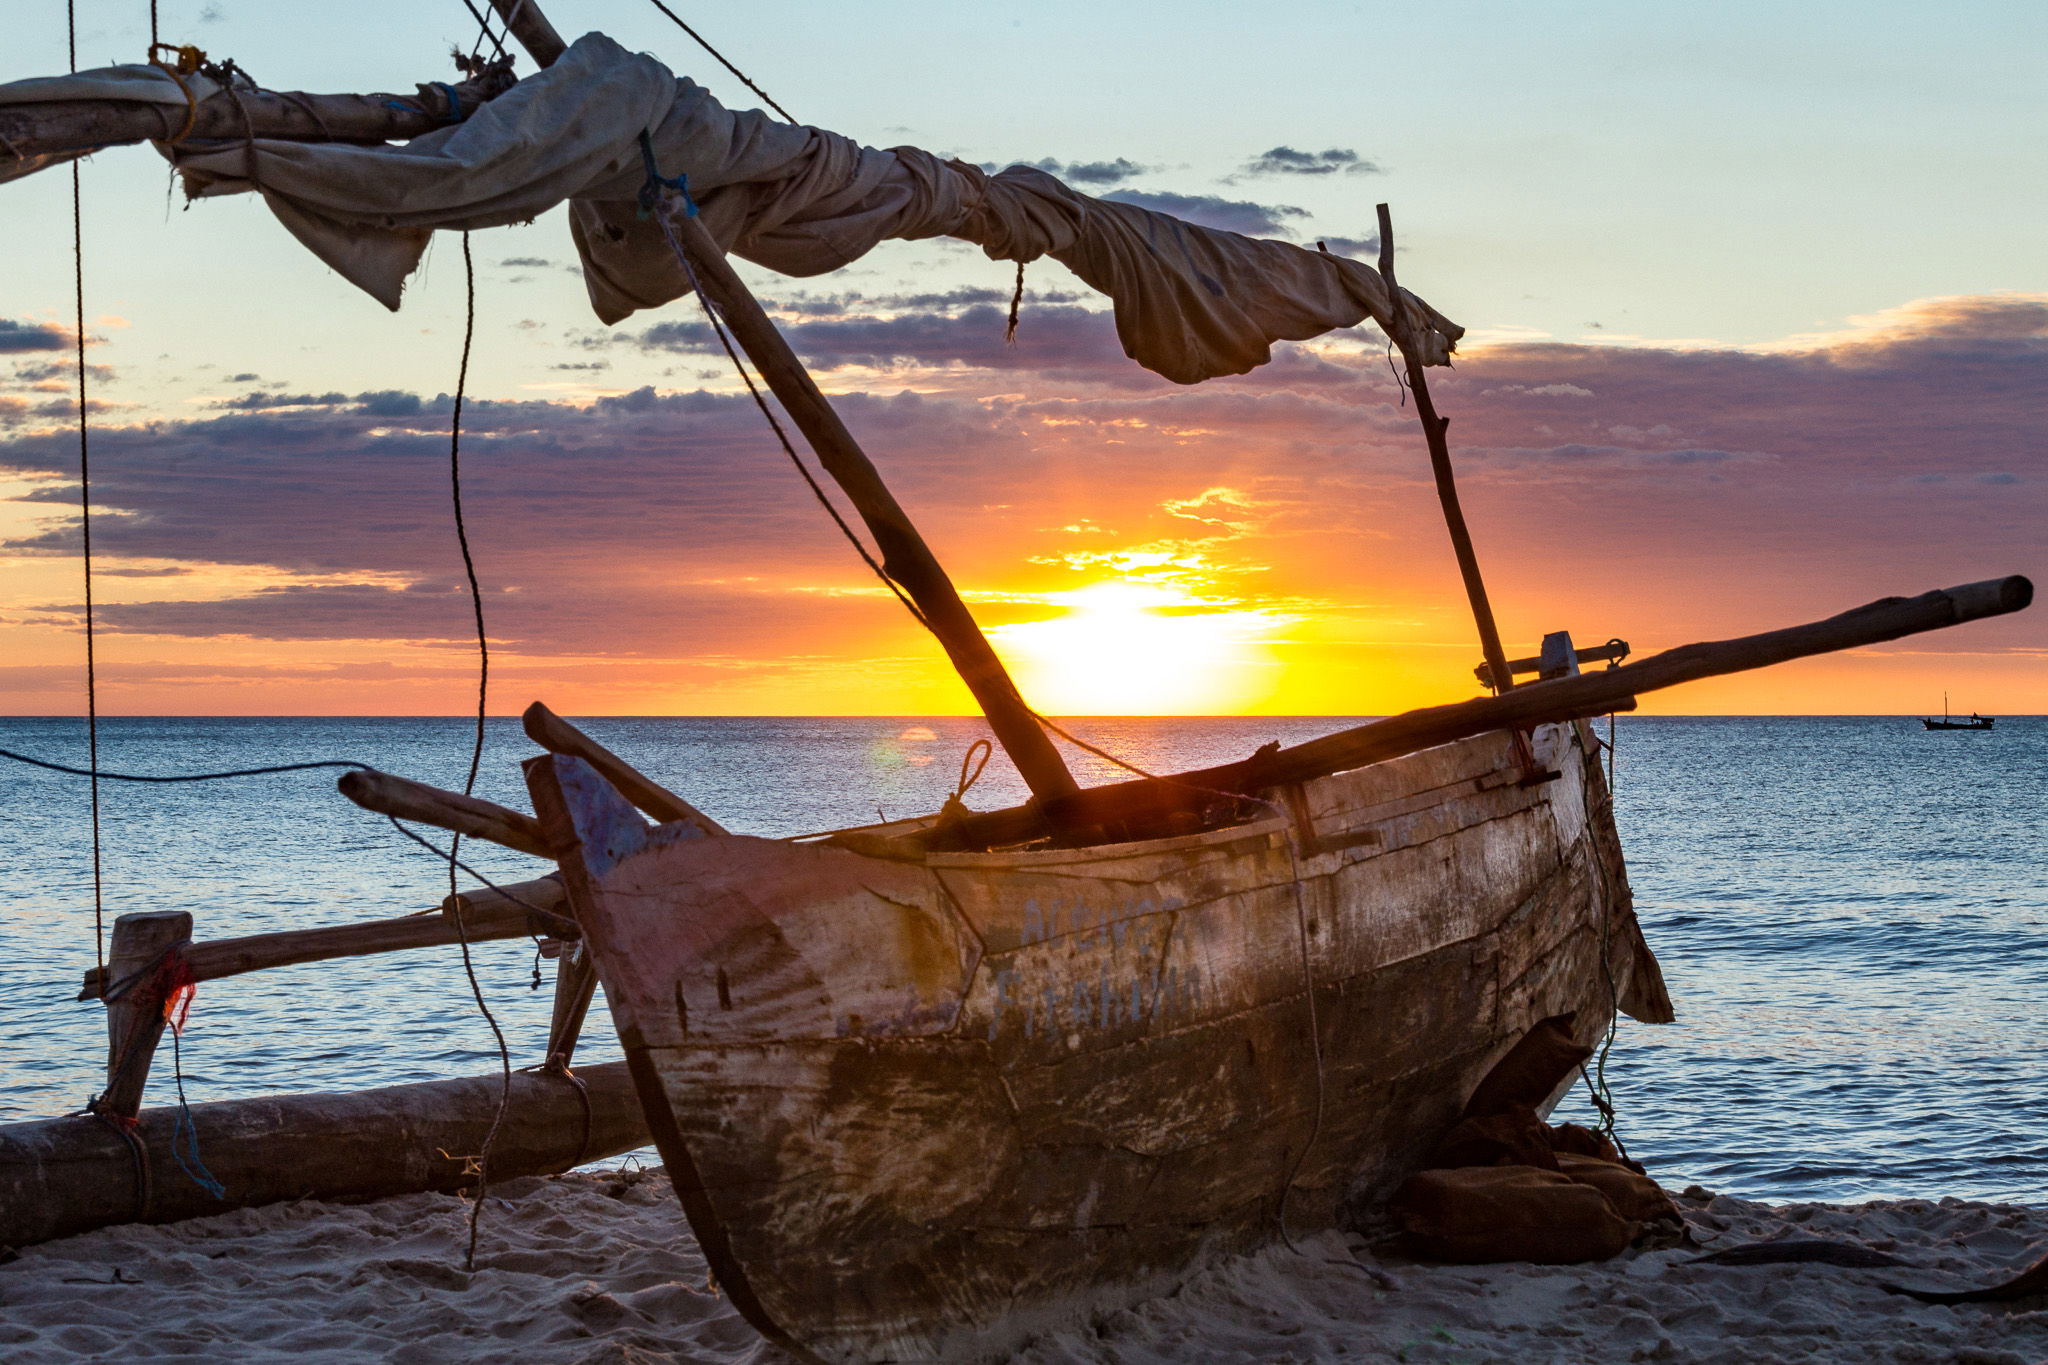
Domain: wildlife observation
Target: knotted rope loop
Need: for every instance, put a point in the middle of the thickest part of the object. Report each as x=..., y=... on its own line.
x=955, y=809
x=187, y=58
x=184, y=61
x=971, y=775
x=651, y=191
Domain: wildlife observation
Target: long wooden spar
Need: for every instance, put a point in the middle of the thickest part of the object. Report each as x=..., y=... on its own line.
x=906, y=558
x=1143, y=804
x=29, y=133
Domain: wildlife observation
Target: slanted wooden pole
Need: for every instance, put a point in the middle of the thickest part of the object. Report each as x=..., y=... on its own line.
x=1433, y=428
x=905, y=557
x=405, y=799
x=135, y=1009
x=558, y=736
x=532, y=29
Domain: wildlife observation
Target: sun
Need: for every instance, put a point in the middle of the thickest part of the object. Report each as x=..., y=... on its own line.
x=1127, y=648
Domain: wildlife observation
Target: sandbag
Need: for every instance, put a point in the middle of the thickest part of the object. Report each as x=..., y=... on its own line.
x=1583, y=1141
x=1481, y=1214
x=1635, y=1197
x=1515, y=1137
x=1531, y=1071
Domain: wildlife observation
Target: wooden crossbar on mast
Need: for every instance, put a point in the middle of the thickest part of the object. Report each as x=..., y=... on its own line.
x=906, y=558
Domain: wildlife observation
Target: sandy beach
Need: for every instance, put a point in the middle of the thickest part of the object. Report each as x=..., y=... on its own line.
x=600, y=1269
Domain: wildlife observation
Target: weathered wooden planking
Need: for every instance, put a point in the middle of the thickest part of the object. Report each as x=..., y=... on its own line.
x=918, y=1109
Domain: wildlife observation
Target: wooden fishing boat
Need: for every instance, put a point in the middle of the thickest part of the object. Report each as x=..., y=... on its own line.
x=917, y=1105
x=927, y=1087
x=1948, y=722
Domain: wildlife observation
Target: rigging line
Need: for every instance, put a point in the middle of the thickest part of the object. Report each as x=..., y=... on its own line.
x=444, y=855
x=1596, y=1079
x=677, y=19
x=92, y=681
x=97, y=773
x=483, y=31
x=781, y=435
x=476, y=756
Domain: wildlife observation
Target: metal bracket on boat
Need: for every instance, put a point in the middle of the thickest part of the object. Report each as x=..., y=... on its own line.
x=1561, y=659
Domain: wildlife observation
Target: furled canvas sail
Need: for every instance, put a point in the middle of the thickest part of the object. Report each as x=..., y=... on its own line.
x=1191, y=302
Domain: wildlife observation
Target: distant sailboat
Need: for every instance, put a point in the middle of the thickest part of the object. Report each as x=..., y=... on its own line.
x=1975, y=722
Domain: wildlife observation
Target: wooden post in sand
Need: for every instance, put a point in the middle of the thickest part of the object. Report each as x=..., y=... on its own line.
x=141, y=949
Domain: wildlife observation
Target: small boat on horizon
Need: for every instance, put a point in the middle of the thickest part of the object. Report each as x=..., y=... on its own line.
x=1947, y=722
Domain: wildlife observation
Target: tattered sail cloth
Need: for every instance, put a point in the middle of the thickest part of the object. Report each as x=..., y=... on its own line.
x=1191, y=302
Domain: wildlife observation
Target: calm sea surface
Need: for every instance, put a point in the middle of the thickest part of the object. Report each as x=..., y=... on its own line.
x=1852, y=915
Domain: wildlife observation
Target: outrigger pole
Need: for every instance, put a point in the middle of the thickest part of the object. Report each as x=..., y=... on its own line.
x=906, y=559
x=1433, y=428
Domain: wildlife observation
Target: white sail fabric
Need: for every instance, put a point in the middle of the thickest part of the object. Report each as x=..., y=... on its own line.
x=1191, y=302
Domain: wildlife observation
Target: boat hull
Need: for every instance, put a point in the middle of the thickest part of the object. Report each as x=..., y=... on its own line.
x=921, y=1109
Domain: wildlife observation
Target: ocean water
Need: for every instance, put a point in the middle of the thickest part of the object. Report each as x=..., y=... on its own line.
x=1852, y=914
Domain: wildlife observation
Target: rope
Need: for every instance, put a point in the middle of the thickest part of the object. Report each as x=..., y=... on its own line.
x=98, y=773
x=656, y=194
x=445, y=856
x=476, y=754
x=1016, y=305
x=188, y=60
x=967, y=779
x=677, y=20
x=185, y=1135
x=145, y=1191
x=1597, y=1088
x=92, y=681
x=483, y=33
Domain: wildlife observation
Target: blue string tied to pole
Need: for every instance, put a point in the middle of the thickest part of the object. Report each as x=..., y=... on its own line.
x=456, y=113
x=650, y=192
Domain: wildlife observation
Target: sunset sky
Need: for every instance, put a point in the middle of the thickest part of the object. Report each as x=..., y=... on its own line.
x=1758, y=311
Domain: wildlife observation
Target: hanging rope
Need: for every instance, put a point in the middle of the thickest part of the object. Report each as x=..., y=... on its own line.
x=657, y=197
x=1016, y=307
x=677, y=20
x=476, y=753
x=1597, y=1088
x=185, y=1135
x=92, y=681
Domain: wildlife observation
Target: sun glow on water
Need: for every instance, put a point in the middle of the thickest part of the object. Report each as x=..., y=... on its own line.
x=1128, y=648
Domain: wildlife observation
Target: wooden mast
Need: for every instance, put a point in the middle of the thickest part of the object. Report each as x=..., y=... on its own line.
x=905, y=557
x=1433, y=428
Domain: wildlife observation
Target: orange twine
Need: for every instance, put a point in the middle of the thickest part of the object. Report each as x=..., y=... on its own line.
x=187, y=59
x=181, y=987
